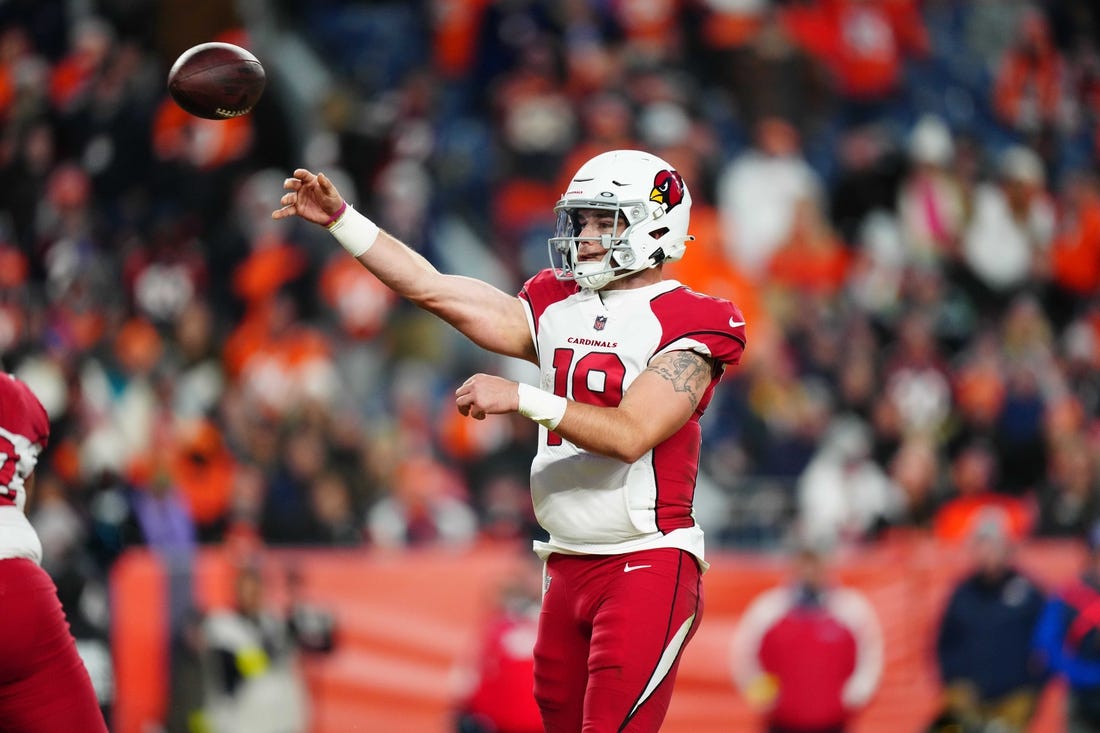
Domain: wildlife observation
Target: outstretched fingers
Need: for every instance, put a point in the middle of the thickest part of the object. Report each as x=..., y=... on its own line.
x=289, y=204
x=303, y=183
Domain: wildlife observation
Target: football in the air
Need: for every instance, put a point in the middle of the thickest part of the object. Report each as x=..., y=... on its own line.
x=216, y=81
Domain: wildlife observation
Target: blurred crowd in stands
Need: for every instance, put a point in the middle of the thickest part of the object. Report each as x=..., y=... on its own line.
x=901, y=195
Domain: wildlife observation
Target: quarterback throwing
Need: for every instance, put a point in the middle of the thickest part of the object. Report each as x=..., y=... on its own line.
x=628, y=362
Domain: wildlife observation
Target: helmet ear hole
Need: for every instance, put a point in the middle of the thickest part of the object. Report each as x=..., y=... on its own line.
x=658, y=233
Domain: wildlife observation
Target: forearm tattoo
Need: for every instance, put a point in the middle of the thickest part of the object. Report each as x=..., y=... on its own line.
x=686, y=371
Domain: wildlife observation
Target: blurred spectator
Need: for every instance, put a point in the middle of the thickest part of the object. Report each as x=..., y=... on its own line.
x=607, y=123
x=164, y=276
x=869, y=170
x=1080, y=346
x=534, y=118
x=160, y=515
x=283, y=363
x=338, y=519
x=764, y=69
x=251, y=677
x=1020, y=443
x=500, y=698
x=953, y=319
x=991, y=28
x=359, y=302
x=155, y=515
x=844, y=496
x=28, y=165
x=1075, y=255
x=975, y=500
x=786, y=415
x=980, y=384
x=915, y=471
x=1069, y=497
x=864, y=43
x=120, y=400
x=72, y=77
x=930, y=204
x=991, y=675
x=650, y=32
x=204, y=469
x=1009, y=235
x=288, y=502
x=193, y=365
x=808, y=655
x=914, y=376
x=812, y=259
x=1067, y=638
x=424, y=507
x=1031, y=91
x=759, y=192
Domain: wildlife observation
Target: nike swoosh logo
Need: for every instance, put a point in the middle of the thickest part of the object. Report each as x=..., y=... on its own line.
x=628, y=568
x=735, y=324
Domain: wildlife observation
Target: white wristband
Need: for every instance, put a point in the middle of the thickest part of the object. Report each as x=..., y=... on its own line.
x=544, y=408
x=355, y=232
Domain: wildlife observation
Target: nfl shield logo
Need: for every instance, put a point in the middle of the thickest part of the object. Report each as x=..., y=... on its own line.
x=601, y=321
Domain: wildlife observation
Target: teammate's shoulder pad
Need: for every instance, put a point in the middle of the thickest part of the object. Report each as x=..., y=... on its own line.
x=21, y=411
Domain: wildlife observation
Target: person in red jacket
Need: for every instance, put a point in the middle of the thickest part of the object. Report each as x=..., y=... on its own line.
x=808, y=654
x=501, y=695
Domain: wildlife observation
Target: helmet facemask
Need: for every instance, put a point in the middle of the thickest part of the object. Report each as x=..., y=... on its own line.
x=638, y=247
x=645, y=198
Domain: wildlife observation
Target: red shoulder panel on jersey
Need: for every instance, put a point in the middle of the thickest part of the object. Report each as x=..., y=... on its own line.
x=544, y=289
x=21, y=412
x=716, y=322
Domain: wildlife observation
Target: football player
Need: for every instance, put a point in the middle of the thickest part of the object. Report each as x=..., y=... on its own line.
x=44, y=685
x=628, y=363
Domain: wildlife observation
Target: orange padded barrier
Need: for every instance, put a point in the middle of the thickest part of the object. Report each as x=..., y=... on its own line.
x=408, y=621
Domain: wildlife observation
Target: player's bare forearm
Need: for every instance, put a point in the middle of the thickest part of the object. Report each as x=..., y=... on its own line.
x=486, y=315
x=658, y=403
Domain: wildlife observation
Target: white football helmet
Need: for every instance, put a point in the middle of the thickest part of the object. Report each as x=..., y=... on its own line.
x=648, y=195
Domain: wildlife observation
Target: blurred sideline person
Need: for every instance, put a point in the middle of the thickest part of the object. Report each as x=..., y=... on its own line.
x=251, y=677
x=990, y=673
x=628, y=363
x=499, y=699
x=808, y=654
x=44, y=685
x=1068, y=638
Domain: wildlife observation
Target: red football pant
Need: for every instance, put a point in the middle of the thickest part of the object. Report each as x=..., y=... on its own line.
x=611, y=633
x=44, y=686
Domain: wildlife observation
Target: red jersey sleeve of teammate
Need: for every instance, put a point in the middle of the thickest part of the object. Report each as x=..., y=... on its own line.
x=541, y=291
x=690, y=321
x=21, y=413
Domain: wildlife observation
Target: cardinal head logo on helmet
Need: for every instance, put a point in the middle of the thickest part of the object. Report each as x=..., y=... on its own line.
x=668, y=189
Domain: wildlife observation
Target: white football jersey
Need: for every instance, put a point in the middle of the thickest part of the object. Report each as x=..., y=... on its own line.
x=591, y=346
x=24, y=431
